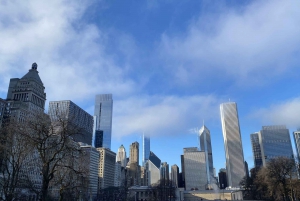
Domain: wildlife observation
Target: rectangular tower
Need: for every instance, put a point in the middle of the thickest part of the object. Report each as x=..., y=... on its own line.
x=146, y=148
x=232, y=143
x=256, y=150
x=175, y=175
x=274, y=142
x=103, y=111
x=297, y=142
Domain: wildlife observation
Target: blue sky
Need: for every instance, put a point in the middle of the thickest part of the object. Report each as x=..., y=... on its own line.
x=169, y=64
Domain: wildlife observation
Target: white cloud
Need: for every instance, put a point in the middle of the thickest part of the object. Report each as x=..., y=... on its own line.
x=247, y=45
x=71, y=55
x=285, y=113
x=159, y=115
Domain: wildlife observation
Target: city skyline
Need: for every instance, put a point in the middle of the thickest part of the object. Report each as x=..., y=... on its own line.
x=169, y=65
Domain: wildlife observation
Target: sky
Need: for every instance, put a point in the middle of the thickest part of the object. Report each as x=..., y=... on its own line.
x=169, y=64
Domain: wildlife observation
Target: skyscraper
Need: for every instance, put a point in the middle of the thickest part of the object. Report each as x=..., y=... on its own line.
x=146, y=148
x=175, y=175
x=152, y=171
x=296, y=135
x=232, y=143
x=205, y=145
x=195, y=169
x=274, y=142
x=164, y=171
x=98, y=139
x=256, y=150
x=121, y=156
x=106, y=171
x=134, y=153
x=76, y=116
x=103, y=111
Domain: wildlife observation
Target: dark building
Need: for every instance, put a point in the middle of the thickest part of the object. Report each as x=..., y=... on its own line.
x=154, y=159
x=246, y=169
x=76, y=117
x=98, y=139
x=222, y=178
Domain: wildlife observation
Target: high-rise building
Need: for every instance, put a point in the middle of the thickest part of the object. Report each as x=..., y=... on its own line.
x=222, y=178
x=103, y=111
x=164, y=171
x=121, y=156
x=146, y=148
x=175, y=175
x=205, y=145
x=134, y=153
x=274, y=142
x=3, y=109
x=27, y=95
x=256, y=150
x=106, y=171
x=232, y=143
x=77, y=118
x=296, y=135
x=195, y=169
x=98, y=139
x=152, y=169
x=246, y=169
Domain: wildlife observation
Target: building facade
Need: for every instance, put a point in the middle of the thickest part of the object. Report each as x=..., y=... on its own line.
x=195, y=169
x=274, y=142
x=232, y=143
x=175, y=175
x=152, y=169
x=205, y=145
x=146, y=148
x=256, y=150
x=106, y=171
x=121, y=156
x=296, y=135
x=134, y=153
x=76, y=117
x=103, y=111
x=98, y=142
x=164, y=171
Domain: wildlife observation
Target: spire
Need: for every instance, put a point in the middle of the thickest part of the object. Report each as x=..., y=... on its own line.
x=33, y=74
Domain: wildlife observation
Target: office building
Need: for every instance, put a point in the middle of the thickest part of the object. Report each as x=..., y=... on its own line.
x=232, y=143
x=90, y=159
x=164, y=171
x=274, y=142
x=296, y=135
x=195, y=169
x=79, y=120
x=121, y=156
x=146, y=148
x=106, y=171
x=134, y=153
x=256, y=150
x=152, y=169
x=103, y=111
x=175, y=175
x=182, y=180
x=98, y=139
x=205, y=145
x=222, y=178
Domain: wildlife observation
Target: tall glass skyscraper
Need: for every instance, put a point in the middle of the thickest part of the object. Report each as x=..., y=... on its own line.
x=146, y=148
x=274, y=142
x=205, y=145
x=235, y=166
x=256, y=150
x=297, y=142
x=103, y=111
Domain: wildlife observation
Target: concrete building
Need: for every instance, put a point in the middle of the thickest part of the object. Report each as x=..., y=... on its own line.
x=146, y=148
x=121, y=156
x=195, y=169
x=152, y=169
x=103, y=111
x=274, y=142
x=90, y=159
x=106, y=171
x=205, y=145
x=232, y=143
x=77, y=119
x=256, y=150
x=175, y=175
x=134, y=153
x=120, y=175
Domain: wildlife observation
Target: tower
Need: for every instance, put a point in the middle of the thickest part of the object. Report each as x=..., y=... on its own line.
x=146, y=148
x=175, y=175
x=232, y=143
x=121, y=156
x=103, y=111
x=205, y=145
x=256, y=150
x=134, y=153
x=296, y=135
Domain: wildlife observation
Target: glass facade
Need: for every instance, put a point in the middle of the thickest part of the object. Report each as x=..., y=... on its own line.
x=256, y=150
x=146, y=148
x=232, y=143
x=274, y=142
x=297, y=142
x=103, y=111
x=205, y=145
